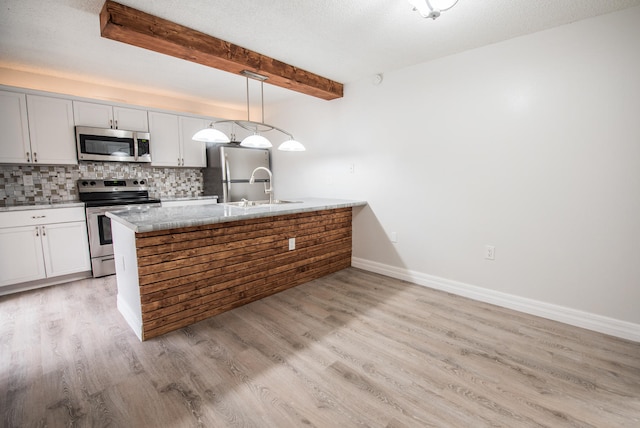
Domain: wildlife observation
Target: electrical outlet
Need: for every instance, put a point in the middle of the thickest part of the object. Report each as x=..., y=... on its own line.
x=27, y=180
x=489, y=252
x=292, y=244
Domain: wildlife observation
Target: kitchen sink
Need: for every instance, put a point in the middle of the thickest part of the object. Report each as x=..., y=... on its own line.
x=249, y=204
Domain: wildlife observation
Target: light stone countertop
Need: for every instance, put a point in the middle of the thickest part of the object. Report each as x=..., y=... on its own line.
x=33, y=206
x=189, y=198
x=150, y=219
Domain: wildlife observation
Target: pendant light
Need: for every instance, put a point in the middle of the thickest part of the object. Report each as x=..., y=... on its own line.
x=291, y=146
x=211, y=135
x=256, y=140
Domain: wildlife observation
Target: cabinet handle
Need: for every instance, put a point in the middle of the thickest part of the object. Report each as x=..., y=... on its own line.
x=43, y=231
x=38, y=216
x=28, y=157
x=116, y=123
x=37, y=231
x=35, y=157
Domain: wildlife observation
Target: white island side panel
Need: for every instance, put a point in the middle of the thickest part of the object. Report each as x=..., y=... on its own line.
x=126, y=261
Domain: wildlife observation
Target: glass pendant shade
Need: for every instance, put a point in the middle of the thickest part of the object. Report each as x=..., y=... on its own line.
x=256, y=141
x=292, y=146
x=210, y=135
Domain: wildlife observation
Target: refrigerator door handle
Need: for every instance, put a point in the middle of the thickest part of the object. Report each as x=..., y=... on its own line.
x=226, y=161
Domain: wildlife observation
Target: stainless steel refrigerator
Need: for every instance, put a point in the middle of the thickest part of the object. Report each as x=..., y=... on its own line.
x=229, y=169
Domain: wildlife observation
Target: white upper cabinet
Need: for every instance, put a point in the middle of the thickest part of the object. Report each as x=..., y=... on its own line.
x=49, y=138
x=15, y=128
x=51, y=131
x=193, y=152
x=36, y=130
x=171, y=143
x=131, y=119
x=165, y=139
x=106, y=116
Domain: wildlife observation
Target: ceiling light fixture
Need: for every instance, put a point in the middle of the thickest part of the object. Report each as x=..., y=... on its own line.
x=212, y=135
x=426, y=9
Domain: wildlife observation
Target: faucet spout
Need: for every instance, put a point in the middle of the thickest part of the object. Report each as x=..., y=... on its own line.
x=267, y=190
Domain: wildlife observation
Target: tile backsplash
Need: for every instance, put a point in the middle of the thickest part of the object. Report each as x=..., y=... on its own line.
x=28, y=184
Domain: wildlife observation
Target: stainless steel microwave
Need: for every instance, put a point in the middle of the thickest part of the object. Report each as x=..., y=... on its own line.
x=116, y=145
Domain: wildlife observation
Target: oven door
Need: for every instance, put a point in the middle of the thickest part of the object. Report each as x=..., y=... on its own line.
x=100, y=239
x=99, y=227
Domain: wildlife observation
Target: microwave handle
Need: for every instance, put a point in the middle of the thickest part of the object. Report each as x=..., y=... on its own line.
x=136, y=155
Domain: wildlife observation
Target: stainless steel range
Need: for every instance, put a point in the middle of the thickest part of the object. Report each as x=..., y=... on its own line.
x=101, y=196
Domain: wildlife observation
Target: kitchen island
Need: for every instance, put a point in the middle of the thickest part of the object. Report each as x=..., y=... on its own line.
x=176, y=266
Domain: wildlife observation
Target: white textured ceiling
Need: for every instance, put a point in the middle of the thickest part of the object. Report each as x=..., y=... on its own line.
x=344, y=40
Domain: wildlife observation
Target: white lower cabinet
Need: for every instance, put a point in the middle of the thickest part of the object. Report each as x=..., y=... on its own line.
x=32, y=249
x=21, y=255
x=65, y=247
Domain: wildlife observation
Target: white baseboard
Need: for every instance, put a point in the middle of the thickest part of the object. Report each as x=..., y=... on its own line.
x=599, y=323
x=130, y=317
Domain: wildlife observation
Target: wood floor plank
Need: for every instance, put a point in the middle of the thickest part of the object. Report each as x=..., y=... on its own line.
x=349, y=349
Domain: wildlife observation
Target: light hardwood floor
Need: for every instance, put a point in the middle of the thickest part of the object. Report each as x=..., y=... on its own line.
x=351, y=349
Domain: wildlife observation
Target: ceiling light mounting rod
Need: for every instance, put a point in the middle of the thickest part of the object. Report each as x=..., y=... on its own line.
x=255, y=76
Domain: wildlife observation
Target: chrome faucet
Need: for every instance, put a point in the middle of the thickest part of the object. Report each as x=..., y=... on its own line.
x=267, y=190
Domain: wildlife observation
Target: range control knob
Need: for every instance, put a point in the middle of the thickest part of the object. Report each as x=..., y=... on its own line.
x=93, y=183
x=84, y=183
x=135, y=182
x=141, y=181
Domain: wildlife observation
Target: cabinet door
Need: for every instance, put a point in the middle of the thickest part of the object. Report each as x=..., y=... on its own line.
x=15, y=128
x=193, y=152
x=66, y=248
x=91, y=114
x=130, y=119
x=165, y=139
x=20, y=255
x=51, y=130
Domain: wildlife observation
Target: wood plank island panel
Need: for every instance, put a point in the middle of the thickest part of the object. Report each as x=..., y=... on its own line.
x=189, y=274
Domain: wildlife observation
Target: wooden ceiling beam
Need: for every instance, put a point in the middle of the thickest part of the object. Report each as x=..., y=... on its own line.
x=128, y=25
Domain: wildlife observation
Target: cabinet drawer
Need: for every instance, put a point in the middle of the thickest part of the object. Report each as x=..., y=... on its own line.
x=43, y=216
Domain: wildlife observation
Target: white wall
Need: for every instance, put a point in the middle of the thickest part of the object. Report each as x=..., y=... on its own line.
x=531, y=145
